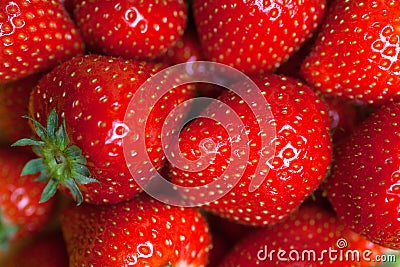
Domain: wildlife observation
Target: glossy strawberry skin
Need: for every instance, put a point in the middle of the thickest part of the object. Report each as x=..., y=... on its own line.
x=141, y=232
x=14, y=102
x=308, y=229
x=356, y=54
x=19, y=197
x=255, y=36
x=131, y=29
x=35, y=36
x=95, y=93
x=297, y=166
x=364, y=181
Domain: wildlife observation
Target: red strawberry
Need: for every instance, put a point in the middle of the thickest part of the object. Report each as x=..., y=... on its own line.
x=45, y=251
x=131, y=29
x=141, y=232
x=255, y=36
x=310, y=237
x=14, y=101
x=356, y=55
x=21, y=215
x=85, y=154
x=364, y=184
x=35, y=36
x=270, y=184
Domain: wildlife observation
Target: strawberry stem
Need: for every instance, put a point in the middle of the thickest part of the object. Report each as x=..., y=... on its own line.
x=59, y=162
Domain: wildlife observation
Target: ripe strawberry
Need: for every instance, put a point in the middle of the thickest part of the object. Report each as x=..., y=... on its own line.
x=364, y=184
x=45, y=251
x=271, y=183
x=140, y=232
x=35, y=36
x=309, y=237
x=255, y=36
x=20, y=213
x=85, y=155
x=14, y=101
x=356, y=55
x=131, y=29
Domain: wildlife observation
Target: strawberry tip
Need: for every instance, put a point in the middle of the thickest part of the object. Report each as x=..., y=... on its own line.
x=59, y=162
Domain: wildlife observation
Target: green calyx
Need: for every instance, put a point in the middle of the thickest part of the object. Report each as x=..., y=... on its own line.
x=59, y=162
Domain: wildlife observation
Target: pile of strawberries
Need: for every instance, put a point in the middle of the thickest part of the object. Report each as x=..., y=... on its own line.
x=76, y=155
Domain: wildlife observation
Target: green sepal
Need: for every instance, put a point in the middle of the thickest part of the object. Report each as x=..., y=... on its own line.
x=52, y=124
x=59, y=162
x=33, y=166
x=75, y=191
x=37, y=150
x=43, y=177
x=75, y=153
x=61, y=136
x=28, y=142
x=49, y=190
x=39, y=129
x=81, y=179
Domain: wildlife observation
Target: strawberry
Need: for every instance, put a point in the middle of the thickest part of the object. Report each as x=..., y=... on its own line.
x=84, y=153
x=14, y=101
x=280, y=172
x=21, y=215
x=365, y=178
x=45, y=251
x=309, y=237
x=356, y=55
x=140, y=232
x=131, y=29
x=35, y=36
x=255, y=36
